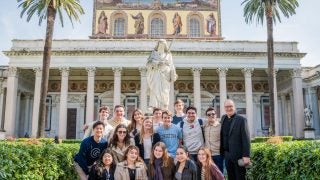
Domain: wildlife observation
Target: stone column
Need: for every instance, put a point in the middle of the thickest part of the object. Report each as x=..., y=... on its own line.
x=90, y=94
x=222, y=72
x=143, y=89
x=11, y=101
x=298, y=102
x=62, y=127
x=291, y=122
x=117, y=86
x=18, y=122
x=36, y=101
x=27, y=114
x=196, y=88
x=276, y=109
x=312, y=91
x=1, y=102
x=249, y=102
x=284, y=116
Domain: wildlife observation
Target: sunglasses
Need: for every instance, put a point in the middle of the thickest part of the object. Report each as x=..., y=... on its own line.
x=211, y=114
x=122, y=132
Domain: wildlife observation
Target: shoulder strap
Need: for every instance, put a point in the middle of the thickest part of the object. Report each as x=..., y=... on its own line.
x=181, y=128
x=181, y=124
x=202, y=127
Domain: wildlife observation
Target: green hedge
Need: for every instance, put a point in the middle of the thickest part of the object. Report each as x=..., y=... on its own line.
x=25, y=160
x=265, y=139
x=289, y=160
x=21, y=160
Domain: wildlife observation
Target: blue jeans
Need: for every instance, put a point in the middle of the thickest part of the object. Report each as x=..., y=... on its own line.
x=218, y=160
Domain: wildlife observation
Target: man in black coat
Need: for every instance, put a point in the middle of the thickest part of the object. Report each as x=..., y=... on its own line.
x=234, y=142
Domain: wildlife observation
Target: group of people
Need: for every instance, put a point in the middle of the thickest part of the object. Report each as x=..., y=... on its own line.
x=163, y=146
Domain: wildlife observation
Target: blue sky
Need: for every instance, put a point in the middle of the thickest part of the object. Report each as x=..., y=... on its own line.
x=304, y=27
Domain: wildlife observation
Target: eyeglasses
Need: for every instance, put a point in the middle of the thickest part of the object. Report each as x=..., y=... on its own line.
x=211, y=114
x=122, y=132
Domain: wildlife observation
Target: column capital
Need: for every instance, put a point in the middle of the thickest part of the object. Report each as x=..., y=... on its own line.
x=296, y=73
x=27, y=95
x=196, y=71
x=117, y=71
x=12, y=71
x=64, y=71
x=38, y=71
x=222, y=71
x=275, y=71
x=247, y=72
x=143, y=71
x=91, y=71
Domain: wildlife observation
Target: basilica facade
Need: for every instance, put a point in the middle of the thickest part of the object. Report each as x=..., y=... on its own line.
x=110, y=69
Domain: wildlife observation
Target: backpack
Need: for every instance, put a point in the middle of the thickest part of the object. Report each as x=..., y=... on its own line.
x=201, y=125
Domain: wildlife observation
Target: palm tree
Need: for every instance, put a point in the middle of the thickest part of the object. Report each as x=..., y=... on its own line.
x=270, y=10
x=48, y=9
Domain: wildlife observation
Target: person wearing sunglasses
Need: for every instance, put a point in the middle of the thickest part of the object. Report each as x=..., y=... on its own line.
x=119, y=142
x=212, y=137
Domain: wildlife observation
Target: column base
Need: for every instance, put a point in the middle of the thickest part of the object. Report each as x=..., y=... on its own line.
x=2, y=135
x=309, y=133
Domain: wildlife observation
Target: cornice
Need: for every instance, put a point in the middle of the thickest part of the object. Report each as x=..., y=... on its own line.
x=177, y=53
x=314, y=76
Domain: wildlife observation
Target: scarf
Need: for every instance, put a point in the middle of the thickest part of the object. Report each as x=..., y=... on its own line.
x=157, y=167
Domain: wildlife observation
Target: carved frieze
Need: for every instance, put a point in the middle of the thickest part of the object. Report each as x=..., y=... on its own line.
x=99, y=86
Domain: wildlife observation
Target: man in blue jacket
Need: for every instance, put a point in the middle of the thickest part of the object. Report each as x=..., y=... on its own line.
x=90, y=150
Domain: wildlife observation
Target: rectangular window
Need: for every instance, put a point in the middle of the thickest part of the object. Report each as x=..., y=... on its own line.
x=48, y=113
x=119, y=25
x=131, y=103
x=265, y=113
x=194, y=27
x=216, y=105
x=157, y=27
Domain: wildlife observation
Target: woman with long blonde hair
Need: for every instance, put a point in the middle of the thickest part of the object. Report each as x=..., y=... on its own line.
x=206, y=167
x=161, y=165
x=146, y=139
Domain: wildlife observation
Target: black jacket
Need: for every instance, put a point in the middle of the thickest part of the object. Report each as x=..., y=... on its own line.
x=190, y=171
x=93, y=175
x=238, y=140
x=154, y=138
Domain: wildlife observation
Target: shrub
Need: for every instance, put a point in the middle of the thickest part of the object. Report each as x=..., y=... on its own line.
x=71, y=141
x=25, y=160
x=289, y=160
x=21, y=160
x=265, y=139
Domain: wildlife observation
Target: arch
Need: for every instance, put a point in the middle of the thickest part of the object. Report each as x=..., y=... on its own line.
x=119, y=20
x=157, y=17
x=195, y=26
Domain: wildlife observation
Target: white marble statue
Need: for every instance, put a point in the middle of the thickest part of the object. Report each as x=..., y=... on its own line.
x=308, y=117
x=160, y=73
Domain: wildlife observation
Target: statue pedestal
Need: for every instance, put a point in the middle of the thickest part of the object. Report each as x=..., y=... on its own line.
x=309, y=133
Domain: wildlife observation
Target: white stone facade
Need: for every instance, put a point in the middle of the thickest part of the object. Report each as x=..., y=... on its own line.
x=88, y=73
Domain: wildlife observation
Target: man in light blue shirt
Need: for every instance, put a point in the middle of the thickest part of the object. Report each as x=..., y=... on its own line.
x=170, y=134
